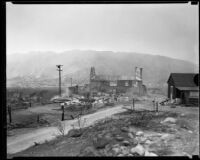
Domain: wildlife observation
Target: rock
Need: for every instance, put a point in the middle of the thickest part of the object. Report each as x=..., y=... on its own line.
x=119, y=138
x=116, y=150
x=182, y=114
x=143, y=139
x=75, y=133
x=190, y=131
x=131, y=130
x=124, y=129
x=148, y=142
x=164, y=136
x=126, y=143
x=150, y=154
x=139, y=149
x=124, y=150
x=115, y=145
x=100, y=142
x=120, y=155
x=139, y=133
x=169, y=120
x=130, y=135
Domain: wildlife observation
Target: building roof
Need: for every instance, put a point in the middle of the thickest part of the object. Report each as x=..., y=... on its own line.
x=183, y=79
x=188, y=88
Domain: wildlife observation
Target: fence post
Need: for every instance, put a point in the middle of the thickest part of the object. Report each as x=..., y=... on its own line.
x=9, y=113
x=156, y=107
x=133, y=105
x=63, y=114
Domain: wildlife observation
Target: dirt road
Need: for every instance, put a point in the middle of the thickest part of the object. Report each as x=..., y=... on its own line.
x=21, y=142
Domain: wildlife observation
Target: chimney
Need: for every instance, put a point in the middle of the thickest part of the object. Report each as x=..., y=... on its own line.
x=141, y=73
x=135, y=72
x=92, y=73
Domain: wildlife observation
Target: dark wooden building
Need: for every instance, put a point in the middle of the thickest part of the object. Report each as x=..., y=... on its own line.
x=116, y=84
x=182, y=86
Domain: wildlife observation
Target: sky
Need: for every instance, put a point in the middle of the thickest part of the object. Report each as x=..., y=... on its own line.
x=160, y=29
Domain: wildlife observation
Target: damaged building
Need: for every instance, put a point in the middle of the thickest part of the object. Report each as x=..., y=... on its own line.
x=117, y=84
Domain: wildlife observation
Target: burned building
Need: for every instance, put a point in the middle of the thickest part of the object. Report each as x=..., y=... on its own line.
x=113, y=84
x=181, y=86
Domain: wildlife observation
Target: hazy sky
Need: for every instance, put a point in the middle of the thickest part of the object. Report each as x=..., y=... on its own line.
x=163, y=29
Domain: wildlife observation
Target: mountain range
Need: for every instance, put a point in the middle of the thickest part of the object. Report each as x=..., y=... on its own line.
x=38, y=69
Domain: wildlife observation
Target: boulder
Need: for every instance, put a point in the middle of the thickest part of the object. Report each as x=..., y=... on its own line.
x=120, y=155
x=139, y=149
x=164, y=136
x=119, y=138
x=130, y=135
x=139, y=133
x=124, y=129
x=124, y=150
x=131, y=130
x=148, y=142
x=150, y=154
x=75, y=133
x=116, y=150
x=169, y=120
x=126, y=143
x=100, y=142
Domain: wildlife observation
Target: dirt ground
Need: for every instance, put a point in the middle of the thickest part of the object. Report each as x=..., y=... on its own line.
x=167, y=139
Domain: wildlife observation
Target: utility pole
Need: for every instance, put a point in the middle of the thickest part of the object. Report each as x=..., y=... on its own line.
x=59, y=69
x=71, y=81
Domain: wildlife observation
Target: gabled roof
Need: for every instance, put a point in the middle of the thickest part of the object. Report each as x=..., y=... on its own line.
x=183, y=79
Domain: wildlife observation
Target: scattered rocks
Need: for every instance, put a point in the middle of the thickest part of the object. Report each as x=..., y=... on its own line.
x=169, y=120
x=139, y=149
x=139, y=133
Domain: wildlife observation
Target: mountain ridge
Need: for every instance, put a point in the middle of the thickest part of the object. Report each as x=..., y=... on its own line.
x=41, y=66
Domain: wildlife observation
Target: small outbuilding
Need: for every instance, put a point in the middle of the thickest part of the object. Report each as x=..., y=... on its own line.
x=182, y=87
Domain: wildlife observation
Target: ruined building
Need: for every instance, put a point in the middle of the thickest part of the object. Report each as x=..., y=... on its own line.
x=117, y=84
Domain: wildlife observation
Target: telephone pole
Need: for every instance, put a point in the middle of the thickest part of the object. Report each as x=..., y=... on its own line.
x=71, y=81
x=59, y=69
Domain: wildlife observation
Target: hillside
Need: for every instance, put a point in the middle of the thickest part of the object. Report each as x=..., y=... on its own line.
x=39, y=68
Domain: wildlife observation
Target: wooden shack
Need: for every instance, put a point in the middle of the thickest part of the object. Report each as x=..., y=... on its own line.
x=182, y=86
